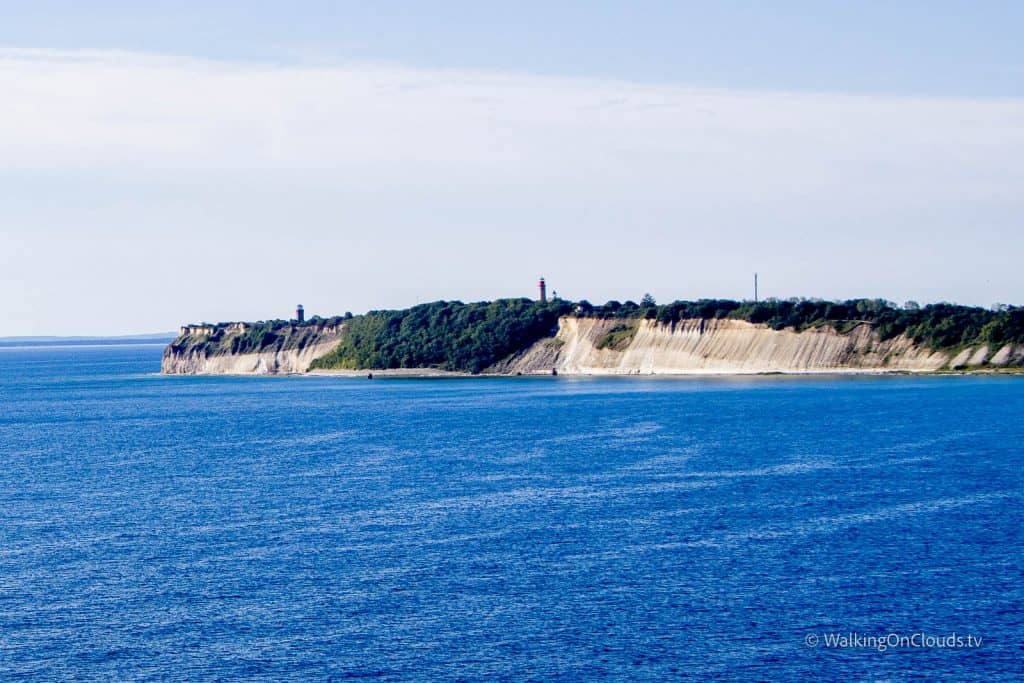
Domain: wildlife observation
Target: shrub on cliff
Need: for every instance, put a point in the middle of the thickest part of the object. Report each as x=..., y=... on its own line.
x=619, y=337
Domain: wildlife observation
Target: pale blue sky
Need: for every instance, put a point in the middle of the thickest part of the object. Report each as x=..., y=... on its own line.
x=165, y=162
x=924, y=47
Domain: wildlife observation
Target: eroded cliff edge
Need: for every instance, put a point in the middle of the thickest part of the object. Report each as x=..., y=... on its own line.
x=595, y=346
x=264, y=348
x=725, y=346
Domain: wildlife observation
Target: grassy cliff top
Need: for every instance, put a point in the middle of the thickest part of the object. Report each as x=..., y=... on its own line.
x=242, y=337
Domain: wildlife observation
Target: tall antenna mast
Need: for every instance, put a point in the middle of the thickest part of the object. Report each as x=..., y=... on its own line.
x=755, y=288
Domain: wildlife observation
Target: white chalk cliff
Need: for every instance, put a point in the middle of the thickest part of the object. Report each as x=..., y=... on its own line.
x=688, y=347
x=725, y=346
x=212, y=350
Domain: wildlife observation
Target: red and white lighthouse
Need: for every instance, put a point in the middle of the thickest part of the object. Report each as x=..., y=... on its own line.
x=543, y=290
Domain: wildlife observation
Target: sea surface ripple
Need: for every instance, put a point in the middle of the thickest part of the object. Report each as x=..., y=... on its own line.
x=298, y=528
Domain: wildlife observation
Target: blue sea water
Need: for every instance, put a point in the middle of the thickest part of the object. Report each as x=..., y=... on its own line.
x=297, y=528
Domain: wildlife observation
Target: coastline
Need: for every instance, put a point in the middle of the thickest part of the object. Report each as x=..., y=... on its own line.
x=580, y=347
x=429, y=373
x=407, y=373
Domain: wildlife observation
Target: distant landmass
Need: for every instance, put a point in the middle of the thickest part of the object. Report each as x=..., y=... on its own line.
x=154, y=338
x=531, y=337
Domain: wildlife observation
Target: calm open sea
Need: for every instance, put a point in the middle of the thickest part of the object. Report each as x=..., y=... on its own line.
x=294, y=529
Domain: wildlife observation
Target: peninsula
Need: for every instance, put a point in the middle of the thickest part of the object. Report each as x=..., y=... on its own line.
x=556, y=336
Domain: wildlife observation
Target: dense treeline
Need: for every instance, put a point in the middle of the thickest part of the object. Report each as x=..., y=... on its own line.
x=448, y=335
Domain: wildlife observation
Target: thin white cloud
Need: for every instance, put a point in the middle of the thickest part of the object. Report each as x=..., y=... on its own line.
x=440, y=170
x=110, y=108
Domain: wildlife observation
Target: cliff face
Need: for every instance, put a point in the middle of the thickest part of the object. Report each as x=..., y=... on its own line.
x=242, y=349
x=733, y=346
x=717, y=346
